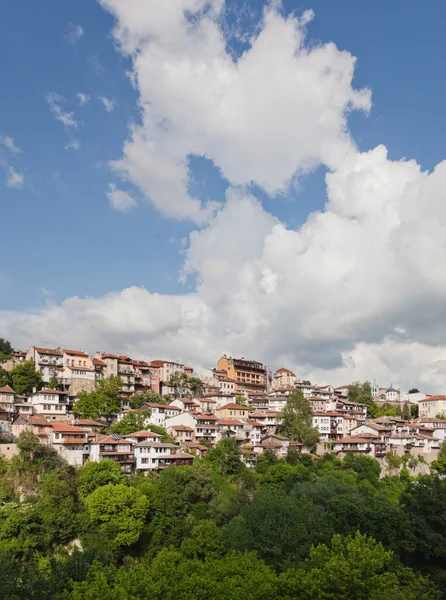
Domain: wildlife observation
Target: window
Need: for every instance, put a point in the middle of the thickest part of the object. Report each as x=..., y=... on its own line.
x=144, y=461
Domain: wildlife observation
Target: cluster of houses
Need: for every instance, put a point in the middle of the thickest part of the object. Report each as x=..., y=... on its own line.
x=197, y=424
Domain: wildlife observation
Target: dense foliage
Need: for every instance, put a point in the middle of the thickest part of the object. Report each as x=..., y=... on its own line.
x=309, y=528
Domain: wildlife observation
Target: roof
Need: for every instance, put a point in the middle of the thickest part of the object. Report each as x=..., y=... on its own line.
x=109, y=356
x=6, y=389
x=98, y=362
x=283, y=370
x=76, y=353
x=38, y=420
x=50, y=391
x=234, y=406
x=78, y=368
x=180, y=428
x=52, y=351
x=155, y=445
x=64, y=428
x=433, y=399
x=228, y=422
x=143, y=434
x=352, y=440
x=159, y=405
x=88, y=422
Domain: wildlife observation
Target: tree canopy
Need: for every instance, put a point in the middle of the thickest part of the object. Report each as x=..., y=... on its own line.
x=24, y=378
x=296, y=420
x=103, y=401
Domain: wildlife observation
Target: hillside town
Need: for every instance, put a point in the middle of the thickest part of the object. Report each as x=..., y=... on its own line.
x=238, y=399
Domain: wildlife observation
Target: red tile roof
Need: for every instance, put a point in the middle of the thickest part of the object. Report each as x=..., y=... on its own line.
x=54, y=352
x=232, y=406
x=76, y=353
x=6, y=389
x=64, y=428
x=144, y=433
x=49, y=391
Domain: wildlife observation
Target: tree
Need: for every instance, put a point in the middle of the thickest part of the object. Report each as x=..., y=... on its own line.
x=6, y=350
x=147, y=396
x=5, y=377
x=119, y=511
x=103, y=401
x=179, y=382
x=414, y=391
x=439, y=465
x=166, y=438
x=204, y=542
x=53, y=383
x=225, y=457
x=196, y=387
x=357, y=568
x=131, y=422
x=25, y=378
x=365, y=467
x=360, y=392
x=296, y=420
x=97, y=474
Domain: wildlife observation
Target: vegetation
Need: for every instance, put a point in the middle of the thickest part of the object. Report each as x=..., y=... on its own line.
x=149, y=396
x=103, y=401
x=309, y=527
x=6, y=350
x=131, y=422
x=297, y=420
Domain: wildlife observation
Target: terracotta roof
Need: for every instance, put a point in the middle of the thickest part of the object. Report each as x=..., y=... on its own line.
x=283, y=370
x=49, y=391
x=52, y=351
x=6, y=389
x=233, y=406
x=64, y=428
x=76, y=353
x=269, y=445
x=88, y=422
x=143, y=434
x=109, y=356
x=228, y=422
x=38, y=420
x=180, y=428
x=433, y=399
x=98, y=362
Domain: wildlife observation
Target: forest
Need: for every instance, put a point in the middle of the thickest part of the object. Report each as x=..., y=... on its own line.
x=308, y=527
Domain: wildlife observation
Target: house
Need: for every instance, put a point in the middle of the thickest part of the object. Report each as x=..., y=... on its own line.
x=186, y=404
x=437, y=426
x=382, y=431
x=356, y=409
x=305, y=386
x=282, y=378
x=142, y=436
x=277, y=402
x=359, y=445
x=322, y=404
x=113, y=447
x=87, y=424
x=7, y=399
x=50, y=403
x=36, y=424
x=167, y=368
x=111, y=363
x=248, y=375
x=161, y=412
x=182, y=432
x=146, y=377
x=155, y=456
x=99, y=367
x=70, y=442
x=392, y=395
x=432, y=406
x=232, y=411
x=196, y=448
x=329, y=424
x=126, y=371
x=49, y=361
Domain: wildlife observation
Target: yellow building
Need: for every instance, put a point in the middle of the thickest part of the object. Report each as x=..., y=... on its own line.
x=249, y=375
x=232, y=411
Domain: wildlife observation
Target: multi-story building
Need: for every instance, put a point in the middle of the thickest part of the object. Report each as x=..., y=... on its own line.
x=167, y=368
x=146, y=377
x=126, y=371
x=37, y=424
x=78, y=373
x=50, y=403
x=113, y=447
x=249, y=375
x=329, y=424
x=432, y=406
x=7, y=398
x=283, y=378
x=71, y=443
x=111, y=363
x=155, y=456
x=232, y=411
x=49, y=361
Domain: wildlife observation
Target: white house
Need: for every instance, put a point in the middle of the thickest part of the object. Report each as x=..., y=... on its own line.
x=71, y=443
x=49, y=361
x=51, y=403
x=154, y=456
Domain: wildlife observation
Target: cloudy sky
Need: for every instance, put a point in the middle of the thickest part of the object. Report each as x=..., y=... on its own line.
x=189, y=178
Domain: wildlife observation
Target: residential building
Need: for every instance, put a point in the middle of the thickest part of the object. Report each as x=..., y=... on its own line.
x=432, y=406
x=155, y=456
x=113, y=447
x=7, y=399
x=248, y=375
x=126, y=371
x=142, y=436
x=232, y=411
x=283, y=378
x=49, y=361
x=36, y=424
x=182, y=432
x=111, y=363
x=78, y=373
x=50, y=403
x=329, y=424
x=167, y=368
x=70, y=442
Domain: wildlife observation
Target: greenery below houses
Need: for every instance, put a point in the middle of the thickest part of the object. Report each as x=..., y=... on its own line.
x=308, y=527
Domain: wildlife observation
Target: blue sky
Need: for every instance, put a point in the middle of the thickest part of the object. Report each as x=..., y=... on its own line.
x=230, y=181
x=61, y=221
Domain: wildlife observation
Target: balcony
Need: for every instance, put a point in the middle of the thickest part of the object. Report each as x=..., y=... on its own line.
x=119, y=457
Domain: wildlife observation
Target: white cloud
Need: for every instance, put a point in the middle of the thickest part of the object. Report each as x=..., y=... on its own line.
x=55, y=103
x=74, y=34
x=8, y=142
x=14, y=179
x=119, y=199
x=278, y=111
x=73, y=145
x=109, y=104
x=83, y=98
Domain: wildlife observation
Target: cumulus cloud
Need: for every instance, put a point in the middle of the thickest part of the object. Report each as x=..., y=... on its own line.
x=75, y=33
x=119, y=199
x=357, y=291
x=83, y=99
x=109, y=104
x=55, y=102
x=14, y=179
x=277, y=111
x=9, y=143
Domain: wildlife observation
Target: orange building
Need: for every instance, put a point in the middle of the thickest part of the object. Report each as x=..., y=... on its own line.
x=249, y=375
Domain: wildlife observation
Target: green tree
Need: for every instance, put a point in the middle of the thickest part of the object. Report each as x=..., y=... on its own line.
x=414, y=391
x=25, y=378
x=357, y=568
x=296, y=420
x=366, y=467
x=360, y=392
x=204, y=542
x=6, y=350
x=53, y=383
x=148, y=396
x=119, y=511
x=179, y=382
x=103, y=401
x=196, y=387
x=131, y=422
x=225, y=457
x=439, y=465
x=97, y=474
x=5, y=377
